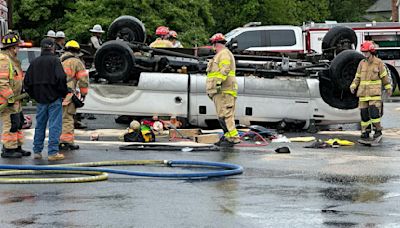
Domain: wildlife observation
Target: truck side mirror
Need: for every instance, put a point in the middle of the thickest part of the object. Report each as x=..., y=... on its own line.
x=232, y=45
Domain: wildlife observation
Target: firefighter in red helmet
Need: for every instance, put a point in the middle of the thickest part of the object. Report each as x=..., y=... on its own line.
x=222, y=89
x=370, y=77
x=162, y=41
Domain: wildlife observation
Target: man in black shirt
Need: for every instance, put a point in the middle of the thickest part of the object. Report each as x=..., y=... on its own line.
x=45, y=81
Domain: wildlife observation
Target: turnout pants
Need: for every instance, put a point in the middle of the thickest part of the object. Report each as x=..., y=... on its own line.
x=370, y=114
x=12, y=136
x=67, y=135
x=225, y=105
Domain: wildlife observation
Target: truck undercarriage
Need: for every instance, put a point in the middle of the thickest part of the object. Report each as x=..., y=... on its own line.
x=125, y=58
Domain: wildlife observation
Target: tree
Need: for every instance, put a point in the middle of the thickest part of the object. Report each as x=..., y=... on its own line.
x=34, y=18
x=232, y=14
x=349, y=10
x=189, y=18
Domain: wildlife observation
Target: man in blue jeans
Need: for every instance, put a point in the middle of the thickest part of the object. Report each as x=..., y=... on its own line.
x=45, y=81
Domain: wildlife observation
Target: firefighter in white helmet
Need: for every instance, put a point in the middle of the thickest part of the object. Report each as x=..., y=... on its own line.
x=60, y=42
x=95, y=40
x=51, y=34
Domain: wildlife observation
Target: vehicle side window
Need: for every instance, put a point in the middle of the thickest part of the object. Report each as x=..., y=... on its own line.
x=249, y=39
x=23, y=57
x=281, y=38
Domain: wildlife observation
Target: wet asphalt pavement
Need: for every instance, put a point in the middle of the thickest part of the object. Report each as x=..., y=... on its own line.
x=336, y=187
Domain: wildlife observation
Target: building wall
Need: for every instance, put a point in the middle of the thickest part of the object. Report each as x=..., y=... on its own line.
x=3, y=9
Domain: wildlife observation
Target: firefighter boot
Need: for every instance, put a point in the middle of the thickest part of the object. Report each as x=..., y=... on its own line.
x=10, y=153
x=365, y=135
x=377, y=134
x=220, y=141
x=68, y=146
x=23, y=152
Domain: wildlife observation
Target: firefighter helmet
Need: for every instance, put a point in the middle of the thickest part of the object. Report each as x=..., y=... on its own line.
x=368, y=46
x=10, y=39
x=218, y=38
x=51, y=34
x=162, y=31
x=60, y=34
x=134, y=125
x=72, y=44
x=97, y=29
x=173, y=34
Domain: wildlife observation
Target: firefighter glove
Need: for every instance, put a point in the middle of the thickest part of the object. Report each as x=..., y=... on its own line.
x=11, y=101
x=389, y=92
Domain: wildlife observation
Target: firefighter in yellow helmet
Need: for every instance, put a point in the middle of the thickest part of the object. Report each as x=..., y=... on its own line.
x=370, y=77
x=77, y=78
x=11, y=83
x=162, y=42
x=222, y=89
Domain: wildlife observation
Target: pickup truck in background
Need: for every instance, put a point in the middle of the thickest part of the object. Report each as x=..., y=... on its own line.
x=313, y=38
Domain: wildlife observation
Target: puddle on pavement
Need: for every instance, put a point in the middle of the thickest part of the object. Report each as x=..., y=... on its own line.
x=344, y=179
x=54, y=196
x=341, y=224
x=24, y=221
x=352, y=194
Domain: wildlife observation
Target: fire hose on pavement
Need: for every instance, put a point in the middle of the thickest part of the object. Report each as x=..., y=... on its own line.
x=100, y=174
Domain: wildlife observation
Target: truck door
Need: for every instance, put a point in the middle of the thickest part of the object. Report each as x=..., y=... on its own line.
x=156, y=94
x=272, y=100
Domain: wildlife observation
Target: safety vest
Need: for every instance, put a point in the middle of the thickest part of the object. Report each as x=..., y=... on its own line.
x=370, y=76
x=221, y=77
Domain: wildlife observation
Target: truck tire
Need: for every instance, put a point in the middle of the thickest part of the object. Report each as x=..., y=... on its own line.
x=114, y=61
x=337, y=39
x=335, y=87
x=128, y=28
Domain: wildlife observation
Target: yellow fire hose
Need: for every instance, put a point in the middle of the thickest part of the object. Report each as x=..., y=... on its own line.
x=95, y=176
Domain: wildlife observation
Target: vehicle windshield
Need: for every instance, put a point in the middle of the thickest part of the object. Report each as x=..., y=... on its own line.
x=231, y=34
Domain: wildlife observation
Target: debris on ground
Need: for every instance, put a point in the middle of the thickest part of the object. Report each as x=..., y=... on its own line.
x=283, y=150
x=302, y=139
x=280, y=139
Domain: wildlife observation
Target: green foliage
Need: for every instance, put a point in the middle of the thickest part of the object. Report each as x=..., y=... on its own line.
x=152, y=13
x=194, y=20
x=35, y=17
x=349, y=11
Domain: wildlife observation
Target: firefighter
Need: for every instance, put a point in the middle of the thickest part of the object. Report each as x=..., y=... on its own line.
x=51, y=34
x=222, y=89
x=371, y=75
x=95, y=40
x=173, y=37
x=77, y=77
x=11, y=80
x=162, y=41
x=60, y=42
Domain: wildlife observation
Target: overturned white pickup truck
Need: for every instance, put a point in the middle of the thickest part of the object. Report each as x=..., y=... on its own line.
x=147, y=82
